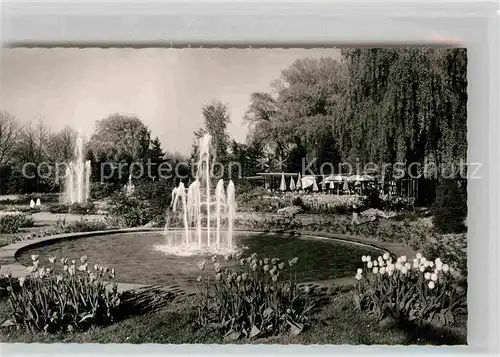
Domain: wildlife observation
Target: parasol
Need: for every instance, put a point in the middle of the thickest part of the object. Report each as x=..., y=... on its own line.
x=283, y=183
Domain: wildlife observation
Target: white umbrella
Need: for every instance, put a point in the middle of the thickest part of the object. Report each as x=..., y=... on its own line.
x=360, y=178
x=332, y=178
x=315, y=185
x=283, y=183
x=332, y=185
x=308, y=181
x=299, y=183
x=292, y=184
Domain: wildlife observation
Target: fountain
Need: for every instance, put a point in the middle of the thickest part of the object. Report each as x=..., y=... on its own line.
x=129, y=188
x=77, y=185
x=197, y=202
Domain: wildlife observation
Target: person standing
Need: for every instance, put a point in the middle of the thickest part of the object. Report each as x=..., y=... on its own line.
x=355, y=215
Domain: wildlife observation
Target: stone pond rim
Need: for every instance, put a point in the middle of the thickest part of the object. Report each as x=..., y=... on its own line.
x=9, y=262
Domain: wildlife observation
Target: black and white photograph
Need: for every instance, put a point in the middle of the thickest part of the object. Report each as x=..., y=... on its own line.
x=311, y=196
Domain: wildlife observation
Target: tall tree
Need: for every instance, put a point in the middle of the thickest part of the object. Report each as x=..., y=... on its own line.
x=10, y=132
x=121, y=138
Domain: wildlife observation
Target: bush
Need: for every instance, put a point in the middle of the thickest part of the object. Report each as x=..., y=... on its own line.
x=74, y=208
x=148, y=203
x=422, y=292
x=82, y=225
x=450, y=247
x=263, y=300
x=297, y=201
x=99, y=190
x=450, y=208
x=64, y=298
x=12, y=222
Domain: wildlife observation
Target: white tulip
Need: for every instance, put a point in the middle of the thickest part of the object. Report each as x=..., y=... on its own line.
x=419, y=256
x=431, y=264
x=399, y=266
x=404, y=270
x=375, y=270
x=407, y=266
x=431, y=285
x=427, y=276
x=434, y=277
x=382, y=271
x=363, y=258
x=422, y=268
x=358, y=276
x=446, y=267
x=368, y=258
x=415, y=263
x=375, y=263
x=426, y=264
x=403, y=259
x=380, y=259
x=360, y=271
x=423, y=260
x=390, y=272
x=386, y=256
x=369, y=265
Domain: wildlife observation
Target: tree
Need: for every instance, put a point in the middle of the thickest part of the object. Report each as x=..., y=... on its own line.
x=120, y=138
x=61, y=146
x=10, y=131
x=217, y=118
x=156, y=156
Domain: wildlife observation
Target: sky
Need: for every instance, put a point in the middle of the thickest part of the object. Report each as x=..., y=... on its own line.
x=165, y=88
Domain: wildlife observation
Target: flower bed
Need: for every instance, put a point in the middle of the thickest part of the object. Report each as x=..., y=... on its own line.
x=263, y=300
x=64, y=298
x=422, y=291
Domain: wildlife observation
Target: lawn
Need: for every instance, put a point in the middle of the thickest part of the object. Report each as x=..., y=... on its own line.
x=336, y=322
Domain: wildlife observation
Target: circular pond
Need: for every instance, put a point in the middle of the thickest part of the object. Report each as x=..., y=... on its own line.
x=136, y=259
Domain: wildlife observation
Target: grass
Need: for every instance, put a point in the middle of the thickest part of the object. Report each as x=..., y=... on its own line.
x=335, y=323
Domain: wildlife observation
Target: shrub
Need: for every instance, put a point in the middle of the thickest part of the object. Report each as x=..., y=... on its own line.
x=450, y=208
x=64, y=299
x=100, y=190
x=75, y=208
x=148, y=203
x=450, y=247
x=297, y=201
x=422, y=292
x=81, y=225
x=263, y=300
x=12, y=222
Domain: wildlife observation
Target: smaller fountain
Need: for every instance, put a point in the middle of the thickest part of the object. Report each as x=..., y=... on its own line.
x=38, y=202
x=32, y=204
x=77, y=185
x=129, y=188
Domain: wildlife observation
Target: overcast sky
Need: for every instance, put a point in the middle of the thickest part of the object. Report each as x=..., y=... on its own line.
x=165, y=88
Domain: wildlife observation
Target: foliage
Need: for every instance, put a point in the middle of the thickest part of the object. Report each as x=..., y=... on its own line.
x=423, y=292
x=12, y=222
x=297, y=201
x=148, y=203
x=100, y=190
x=81, y=225
x=74, y=208
x=64, y=297
x=450, y=247
x=263, y=300
x=450, y=208
x=119, y=138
